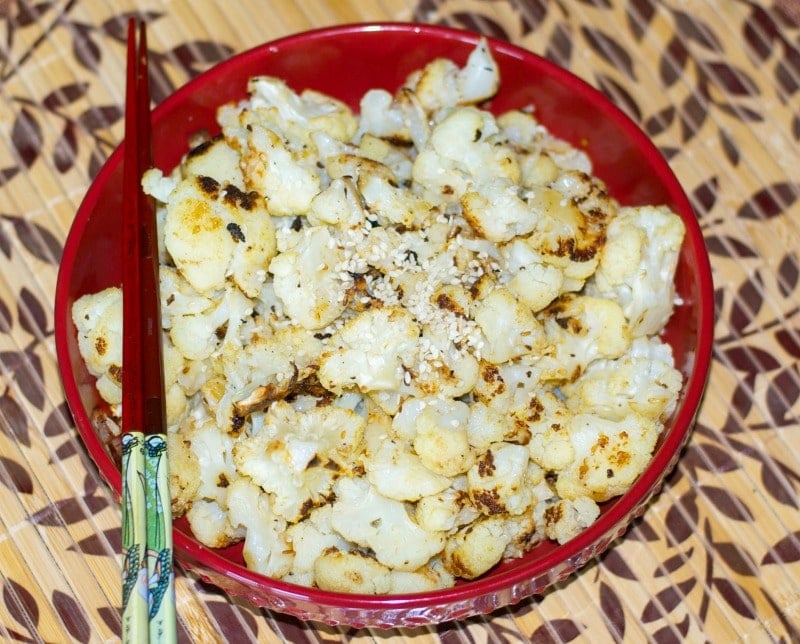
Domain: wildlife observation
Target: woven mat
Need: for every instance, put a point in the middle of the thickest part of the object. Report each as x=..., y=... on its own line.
x=716, y=557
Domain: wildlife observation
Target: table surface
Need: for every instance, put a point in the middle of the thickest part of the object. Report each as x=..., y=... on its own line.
x=716, y=556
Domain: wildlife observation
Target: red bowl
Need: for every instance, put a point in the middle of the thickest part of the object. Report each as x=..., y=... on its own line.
x=346, y=61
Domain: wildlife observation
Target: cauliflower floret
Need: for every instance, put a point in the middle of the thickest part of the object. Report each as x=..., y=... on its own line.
x=486, y=425
x=390, y=153
x=338, y=205
x=566, y=518
x=300, y=116
x=213, y=449
x=213, y=231
x=476, y=548
x=310, y=539
x=566, y=237
x=370, y=351
x=532, y=280
x=214, y=158
x=184, y=472
x=351, y=572
x=306, y=280
x=441, y=83
x=391, y=204
x=265, y=547
x=609, y=455
x=441, y=437
x=637, y=265
x=496, y=212
x=287, y=179
x=297, y=456
x=400, y=118
x=501, y=479
x=195, y=335
x=642, y=381
x=370, y=520
x=98, y=320
x=397, y=472
x=447, y=510
x=267, y=367
x=211, y=525
x=463, y=151
x=582, y=329
x=509, y=327
x=549, y=421
x=432, y=576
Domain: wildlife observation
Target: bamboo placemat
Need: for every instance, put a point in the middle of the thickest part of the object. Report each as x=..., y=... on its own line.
x=716, y=557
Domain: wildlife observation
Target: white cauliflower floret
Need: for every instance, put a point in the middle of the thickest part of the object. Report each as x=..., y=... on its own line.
x=98, y=320
x=637, y=265
x=501, y=479
x=213, y=449
x=510, y=328
x=441, y=83
x=441, y=437
x=339, y=205
x=447, y=510
x=566, y=518
x=297, y=456
x=265, y=547
x=370, y=351
x=214, y=158
x=486, y=425
x=370, y=520
x=184, y=471
x=195, y=335
x=642, y=381
x=392, y=154
x=532, y=280
x=391, y=204
x=306, y=280
x=476, y=548
x=214, y=231
x=432, y=576
x=345, y=571
x=286, y=179
x=609, y=455
x=582, y=329
x=549, y=422
x=158, y=186
x=396, y=471
x=463, y=152
x=566, y=237
x=211, y=524
x=267, y=367
x=496, y=212
x=309, y=539
x=300, y=116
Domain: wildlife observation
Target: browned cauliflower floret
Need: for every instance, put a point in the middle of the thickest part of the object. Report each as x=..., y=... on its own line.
x=365, y=517
x=609, y=455
x=265, y=547
x=298, y=456
x=476, y=548
x=98, y=320
x=369, y=351
x=215, y=231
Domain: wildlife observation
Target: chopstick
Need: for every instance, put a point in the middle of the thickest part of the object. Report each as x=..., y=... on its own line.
x=148, y=599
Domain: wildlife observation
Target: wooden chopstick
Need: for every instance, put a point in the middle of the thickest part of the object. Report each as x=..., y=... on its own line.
x=148, y=601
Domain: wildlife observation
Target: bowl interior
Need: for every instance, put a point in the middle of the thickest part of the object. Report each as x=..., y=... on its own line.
x=345, y=62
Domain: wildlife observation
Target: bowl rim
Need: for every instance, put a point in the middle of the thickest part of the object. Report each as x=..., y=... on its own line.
x=625, y=506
